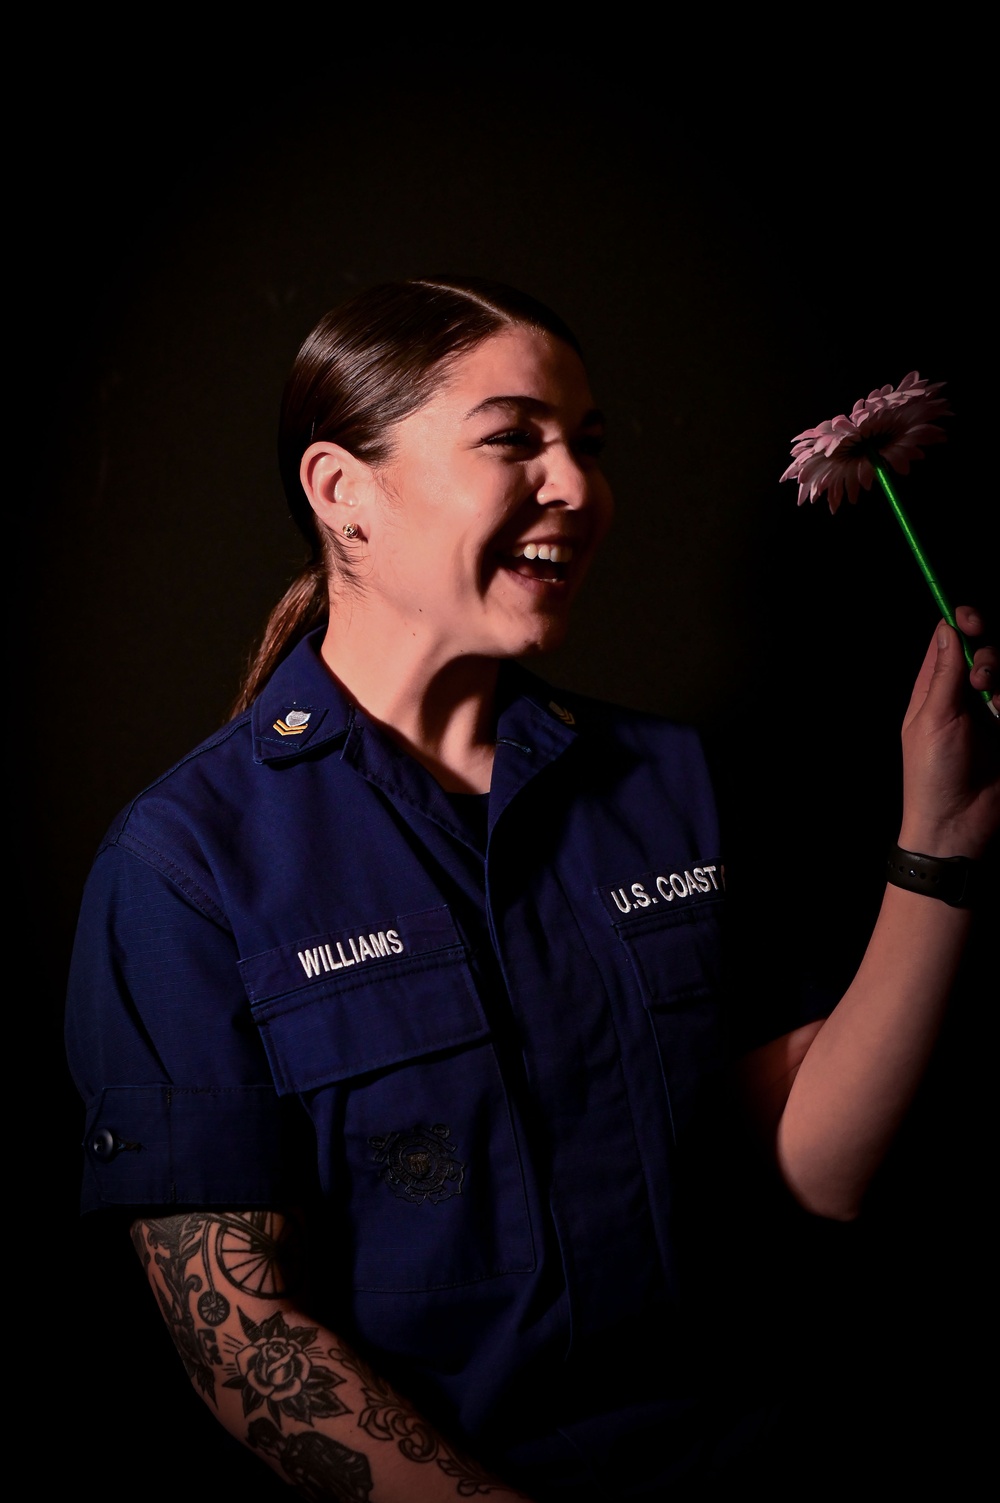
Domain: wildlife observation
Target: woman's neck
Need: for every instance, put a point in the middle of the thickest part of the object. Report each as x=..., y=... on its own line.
x=442, y=714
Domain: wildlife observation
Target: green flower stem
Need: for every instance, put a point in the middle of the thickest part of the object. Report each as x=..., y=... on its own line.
x=933, y=583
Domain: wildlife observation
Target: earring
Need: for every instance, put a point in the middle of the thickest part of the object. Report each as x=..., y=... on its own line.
x=349, y=530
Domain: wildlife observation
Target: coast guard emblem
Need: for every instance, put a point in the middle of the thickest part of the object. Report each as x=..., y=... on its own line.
x=293, y=724
x=419, y=1165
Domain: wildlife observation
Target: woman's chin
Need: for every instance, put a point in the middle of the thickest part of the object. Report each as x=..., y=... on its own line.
x=546, y=638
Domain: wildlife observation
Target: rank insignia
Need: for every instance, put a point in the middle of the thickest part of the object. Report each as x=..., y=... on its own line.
x=419, y=1164
x=561, y=713
x=293, y=724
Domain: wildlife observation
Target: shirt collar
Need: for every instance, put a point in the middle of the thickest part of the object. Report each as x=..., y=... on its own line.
x=302, y=707
x=533, y=729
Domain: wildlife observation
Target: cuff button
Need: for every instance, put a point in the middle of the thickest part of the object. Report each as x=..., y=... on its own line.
x=104, y=1144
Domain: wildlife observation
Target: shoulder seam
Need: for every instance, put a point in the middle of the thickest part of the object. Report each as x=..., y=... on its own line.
x=156, y=859
x=202, y=747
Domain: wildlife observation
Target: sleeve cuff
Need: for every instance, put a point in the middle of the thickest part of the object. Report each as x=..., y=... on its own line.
x=167, y=1145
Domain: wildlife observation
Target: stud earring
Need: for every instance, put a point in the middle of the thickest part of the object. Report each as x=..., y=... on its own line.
x=349, y=530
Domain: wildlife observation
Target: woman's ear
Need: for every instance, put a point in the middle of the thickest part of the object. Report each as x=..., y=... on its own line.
x=337, y=485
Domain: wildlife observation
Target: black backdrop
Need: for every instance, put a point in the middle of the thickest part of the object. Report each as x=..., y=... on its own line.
x=737, y=269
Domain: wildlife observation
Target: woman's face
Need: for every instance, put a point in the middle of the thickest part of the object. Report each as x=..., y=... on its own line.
x=492, y=503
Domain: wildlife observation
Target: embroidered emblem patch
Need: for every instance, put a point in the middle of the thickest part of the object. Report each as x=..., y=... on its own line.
x=293, y=724
x=419, y=1165
x=561, y=713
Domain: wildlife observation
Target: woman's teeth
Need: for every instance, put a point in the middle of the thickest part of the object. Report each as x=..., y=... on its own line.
x=554, y=553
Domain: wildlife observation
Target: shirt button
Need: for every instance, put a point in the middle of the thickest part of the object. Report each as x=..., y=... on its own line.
x=104, y=1144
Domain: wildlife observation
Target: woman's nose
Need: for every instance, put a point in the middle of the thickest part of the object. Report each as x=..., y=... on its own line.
x=567, y=482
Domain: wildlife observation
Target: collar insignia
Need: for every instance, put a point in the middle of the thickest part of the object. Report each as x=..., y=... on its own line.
x=561, y=713
x=293, y=724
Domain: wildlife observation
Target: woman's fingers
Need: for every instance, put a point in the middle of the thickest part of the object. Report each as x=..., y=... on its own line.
x=984, y=674
x=986, y=671
x=969, y=620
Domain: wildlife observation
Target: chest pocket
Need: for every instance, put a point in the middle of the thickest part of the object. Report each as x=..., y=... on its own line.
x=392, y=1055
x=677, y=960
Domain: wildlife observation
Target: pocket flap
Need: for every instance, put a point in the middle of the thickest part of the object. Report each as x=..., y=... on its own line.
x=677, y=956
x=343, y=1004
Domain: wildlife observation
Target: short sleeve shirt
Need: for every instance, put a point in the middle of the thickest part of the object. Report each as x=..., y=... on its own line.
x=302, y=969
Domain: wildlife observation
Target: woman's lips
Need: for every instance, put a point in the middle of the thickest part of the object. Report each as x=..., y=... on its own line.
x=539, y=571
x=543, y=562
x=557, y=553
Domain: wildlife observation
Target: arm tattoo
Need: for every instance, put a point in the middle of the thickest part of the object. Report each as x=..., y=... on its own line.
x=254, y=1252
x=258, y=1253
x=275, y=1366
x=278, y=1367
x=387, y=1417
x=175, y=1240
x=319, y=1467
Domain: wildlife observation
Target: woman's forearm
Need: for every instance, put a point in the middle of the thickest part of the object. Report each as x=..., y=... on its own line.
x=839, y=1093
x=282, y=1385
x=861, y=1069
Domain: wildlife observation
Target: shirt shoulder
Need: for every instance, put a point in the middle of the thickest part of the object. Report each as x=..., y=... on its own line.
x=165, y=825
x=217, y=798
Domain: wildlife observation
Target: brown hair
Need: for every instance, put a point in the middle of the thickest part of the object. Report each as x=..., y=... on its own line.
x=367, y=365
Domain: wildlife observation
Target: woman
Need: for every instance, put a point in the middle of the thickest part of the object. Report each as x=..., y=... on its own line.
x=419, y=962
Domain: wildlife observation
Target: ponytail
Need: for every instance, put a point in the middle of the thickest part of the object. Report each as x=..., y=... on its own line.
x=304, y=604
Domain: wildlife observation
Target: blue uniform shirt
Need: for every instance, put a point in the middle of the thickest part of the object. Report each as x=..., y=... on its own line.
x=499, y=1032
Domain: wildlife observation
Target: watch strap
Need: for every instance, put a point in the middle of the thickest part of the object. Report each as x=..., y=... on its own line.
x=950, y=878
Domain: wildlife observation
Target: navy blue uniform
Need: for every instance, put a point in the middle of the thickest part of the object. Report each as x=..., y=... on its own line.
x=498, y=1059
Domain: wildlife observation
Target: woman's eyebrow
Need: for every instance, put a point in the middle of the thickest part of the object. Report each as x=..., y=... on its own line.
x=592, y=419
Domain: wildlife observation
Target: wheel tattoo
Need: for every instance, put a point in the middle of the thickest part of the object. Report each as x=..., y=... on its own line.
x=254, y=1253
x=213, y=1307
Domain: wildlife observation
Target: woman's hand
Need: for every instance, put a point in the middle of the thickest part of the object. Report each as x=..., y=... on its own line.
x=951, y=749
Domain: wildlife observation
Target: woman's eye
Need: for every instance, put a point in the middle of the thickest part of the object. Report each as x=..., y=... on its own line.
x=522, y=442
x=512, y=438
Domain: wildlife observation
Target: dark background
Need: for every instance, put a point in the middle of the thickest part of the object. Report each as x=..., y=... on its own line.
x=741, y=258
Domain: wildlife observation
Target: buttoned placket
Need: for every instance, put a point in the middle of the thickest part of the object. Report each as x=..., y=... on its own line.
x=598, y=1200
x=572, y=1034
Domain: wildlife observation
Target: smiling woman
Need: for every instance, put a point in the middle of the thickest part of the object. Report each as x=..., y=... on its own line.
x=397, y=1004
x=457, y=527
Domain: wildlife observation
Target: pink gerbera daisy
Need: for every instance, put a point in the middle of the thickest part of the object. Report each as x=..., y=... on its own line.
x=889, y=424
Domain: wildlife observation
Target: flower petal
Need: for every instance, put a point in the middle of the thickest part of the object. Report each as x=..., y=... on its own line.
x=889, y=424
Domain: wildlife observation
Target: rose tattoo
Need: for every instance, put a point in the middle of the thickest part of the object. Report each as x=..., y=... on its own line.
x=279, y=1368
